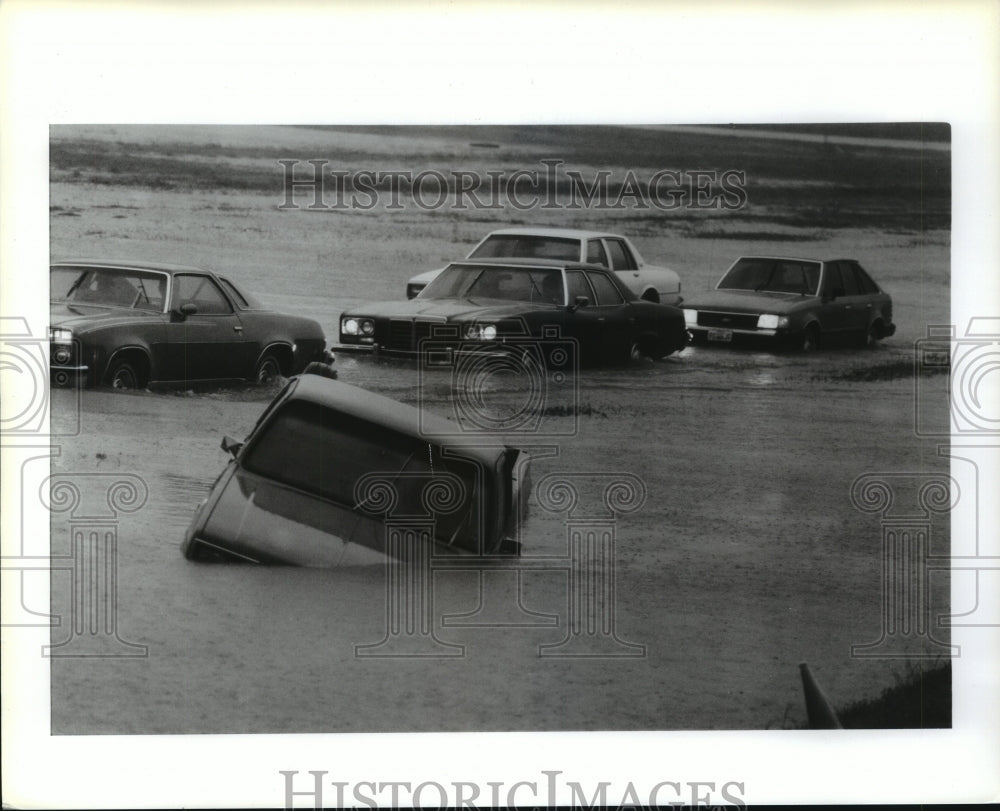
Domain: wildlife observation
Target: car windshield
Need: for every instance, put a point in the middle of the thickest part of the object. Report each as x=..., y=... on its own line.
x=312, y=448
x=109, y=287
x=773, y=275
x=528, y=247
x=535, y=285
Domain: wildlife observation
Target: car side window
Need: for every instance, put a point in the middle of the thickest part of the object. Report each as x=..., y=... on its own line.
x=868, y=287
x=596, y=254
x=832, y=284
x=235, y=294
x=578, y=286
x=849, y=280
x=607, y=293
x=201, y=291
x=621, y=256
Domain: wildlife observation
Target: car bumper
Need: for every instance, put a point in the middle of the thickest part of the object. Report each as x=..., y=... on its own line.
x=714, y=335
x=69, y=375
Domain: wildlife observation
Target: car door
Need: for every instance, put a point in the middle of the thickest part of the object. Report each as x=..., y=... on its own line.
x=870, y=300
x=208, y=344
x=856, y=305
x=834, y=308
x=603, y=326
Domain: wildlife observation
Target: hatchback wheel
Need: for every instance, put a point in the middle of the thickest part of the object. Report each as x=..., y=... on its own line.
x=810, y=338
x=872, y=337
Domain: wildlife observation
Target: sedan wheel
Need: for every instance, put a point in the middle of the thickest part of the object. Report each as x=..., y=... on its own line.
x=268, y=369
x=123, y=376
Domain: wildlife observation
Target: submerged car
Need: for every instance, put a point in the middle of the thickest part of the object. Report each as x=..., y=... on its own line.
x=613, y=251
x=127, y=325
x=333, y=475
x=501, y=305
x=796, y=303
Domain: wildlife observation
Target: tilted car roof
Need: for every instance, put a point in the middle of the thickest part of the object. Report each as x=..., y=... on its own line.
x=394, y=415
x=128, y=265
x=568, y=233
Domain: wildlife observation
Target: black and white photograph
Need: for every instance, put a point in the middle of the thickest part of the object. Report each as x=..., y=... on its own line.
x=430, y=456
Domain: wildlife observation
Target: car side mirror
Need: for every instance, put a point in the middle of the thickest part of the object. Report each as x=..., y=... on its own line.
x=186, y=309
x=231, y=446
x=581, y=301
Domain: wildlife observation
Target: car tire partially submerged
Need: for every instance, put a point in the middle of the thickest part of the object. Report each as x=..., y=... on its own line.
x=268, y=369
x=122, y=375
x=810, y=338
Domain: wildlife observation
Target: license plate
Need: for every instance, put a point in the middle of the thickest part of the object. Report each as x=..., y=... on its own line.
x=720, y=335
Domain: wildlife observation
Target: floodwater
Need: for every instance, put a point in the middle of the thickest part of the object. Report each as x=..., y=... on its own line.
x=740, y=555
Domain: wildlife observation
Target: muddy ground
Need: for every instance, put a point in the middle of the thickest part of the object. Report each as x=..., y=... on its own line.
x=746, y=558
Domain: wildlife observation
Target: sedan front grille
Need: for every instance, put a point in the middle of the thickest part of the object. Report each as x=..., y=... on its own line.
x=400, y=335
x=727, y=320
x=405, y=335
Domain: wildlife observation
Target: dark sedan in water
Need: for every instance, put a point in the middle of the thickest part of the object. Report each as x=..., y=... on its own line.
x=126, y=325
x=794, y=303
x=506, y=304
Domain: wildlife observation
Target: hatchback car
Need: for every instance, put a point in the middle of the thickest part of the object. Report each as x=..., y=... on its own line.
x=333, y=475
x=797, y=303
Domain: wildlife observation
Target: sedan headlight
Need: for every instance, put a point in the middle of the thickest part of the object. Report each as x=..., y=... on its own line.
x=771, y=321
x=481, y=332
x=357, y=326
x=691, y=318
x=60, y=335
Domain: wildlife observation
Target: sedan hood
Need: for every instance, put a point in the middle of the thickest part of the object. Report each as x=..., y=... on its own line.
x=749, y=301
x=79, y=317
x=477, y=308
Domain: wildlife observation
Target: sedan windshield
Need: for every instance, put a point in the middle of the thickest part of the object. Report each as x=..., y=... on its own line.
x=773, y=275
x=534, y=285
x=528, y=246
x=109, y=287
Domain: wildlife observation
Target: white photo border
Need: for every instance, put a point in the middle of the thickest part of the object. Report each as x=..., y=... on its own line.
x=663, y=63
